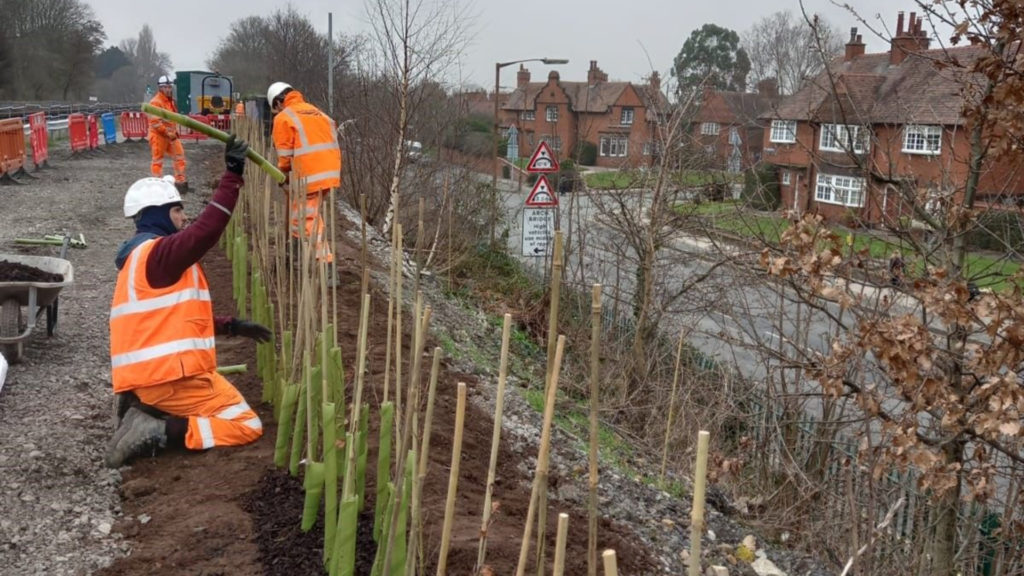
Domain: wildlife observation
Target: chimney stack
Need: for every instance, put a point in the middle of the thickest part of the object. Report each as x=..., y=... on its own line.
x=522, y=77
x=769, y=87
x=655, y=81
x=595, y=74
x=913, y=39
x=855, y=47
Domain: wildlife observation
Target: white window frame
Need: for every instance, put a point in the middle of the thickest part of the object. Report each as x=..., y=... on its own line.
x=529, y=115
x=783, y=131
x=614, y=146
x=840, y=190
x=922, y=139
x=785, y=178
x=843, y=138
x=554, y=142
x=710, y=129
x=551, y=113
x=626, y=117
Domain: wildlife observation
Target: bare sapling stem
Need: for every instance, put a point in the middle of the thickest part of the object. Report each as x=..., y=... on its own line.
x=421, y=472
x=697, y=513
x=350, y=449
x=399, y=331
x=453, y=482
x=541, y=476
x=669, y=424
x=557, y=263
x=499, y=406
x=392, y=287
x=595, y=406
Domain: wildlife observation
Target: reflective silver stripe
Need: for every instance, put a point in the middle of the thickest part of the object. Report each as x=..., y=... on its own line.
x=205, y=432
x=321, y=176
x=284, y=152
x=234, y=411
x=222, y=209
x=160, y=350
x=131, y=271
x=298, y=127
x=165, y=301
x=254, y=423
x=195, y=275
x=316, y=148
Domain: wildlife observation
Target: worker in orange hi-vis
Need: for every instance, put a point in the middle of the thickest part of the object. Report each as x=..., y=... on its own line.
x=163, y=136
x=307, y=147
x=239, y=108
x=163, y=353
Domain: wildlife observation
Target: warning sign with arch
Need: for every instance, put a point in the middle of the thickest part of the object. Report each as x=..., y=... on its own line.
x=543, y=160
x=542, y=195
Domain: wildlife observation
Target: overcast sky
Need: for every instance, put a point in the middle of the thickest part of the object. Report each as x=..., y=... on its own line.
x=628, y=39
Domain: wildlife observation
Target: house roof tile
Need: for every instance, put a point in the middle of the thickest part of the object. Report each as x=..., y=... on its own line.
x=585, y=98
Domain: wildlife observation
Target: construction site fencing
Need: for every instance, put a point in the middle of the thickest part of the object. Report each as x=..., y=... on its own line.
x=12, y=150
x=186, y=133
x=109, y=128
x=78, y=133
x=134, y=126
x=40, y=139
x=220, y=121
x=94, y=131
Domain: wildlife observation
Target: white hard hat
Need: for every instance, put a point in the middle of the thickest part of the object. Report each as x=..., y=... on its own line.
x=150, y=192
x=275, y=91
x=165, y=80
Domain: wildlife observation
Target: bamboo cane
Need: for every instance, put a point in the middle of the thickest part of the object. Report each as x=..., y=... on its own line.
x=387, y=413
x=453, y=482
x=357, y=399
x=233, y=369
x=556, y=290
x=499, y=405
x=398, y=331
x=212, y=132
x=671, y=408
x=697, y=513
x=541, y=476
x=563, y=529
x=610, y=565
x=391, y=312
x=421, y=473
x=595, y=406
x=330, y=477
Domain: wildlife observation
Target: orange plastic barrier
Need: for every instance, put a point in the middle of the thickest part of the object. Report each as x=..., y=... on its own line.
x=39, y=137
x=220, y=121
x=12, y=150
x=186, y=133
x=78, y=133
x=134, y=125
x=93, y=127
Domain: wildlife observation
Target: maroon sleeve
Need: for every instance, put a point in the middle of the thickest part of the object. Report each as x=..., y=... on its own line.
x=220, y=325
x=173, y=254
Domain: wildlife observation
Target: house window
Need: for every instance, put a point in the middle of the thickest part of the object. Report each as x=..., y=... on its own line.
x=709, y=129
x=842, y=190
x=552, y=113
x=922, y=139
x=614, y=146
x=528, y=115
x=783, y=131
x=555, y=142
x=785, y=178
x=843, y=138
x=627, y=117
x=652, y=147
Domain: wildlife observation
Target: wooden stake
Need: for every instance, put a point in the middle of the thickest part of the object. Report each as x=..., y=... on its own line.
x=399, y=332
x=499, y=405
x=453, y=482
x=392, y=281
x=541, y=476
x=595, y=406
x=610, y=566
x=563, y=529
x=697, y=513
x=671, y=408
x=349, y=487
x=557, y=263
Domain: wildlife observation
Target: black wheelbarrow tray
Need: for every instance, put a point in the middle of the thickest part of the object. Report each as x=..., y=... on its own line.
x=35, y=297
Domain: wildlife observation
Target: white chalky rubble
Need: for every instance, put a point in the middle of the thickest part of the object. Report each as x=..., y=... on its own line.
x=59, y=505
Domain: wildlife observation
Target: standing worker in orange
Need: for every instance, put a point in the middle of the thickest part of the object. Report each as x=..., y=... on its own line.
x=163, y=136
x=163, y=353
x=307, y=148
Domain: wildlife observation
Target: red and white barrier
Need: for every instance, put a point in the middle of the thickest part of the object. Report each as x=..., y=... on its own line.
x=12, y=150
x=78, y=133
x=93, y=127
x=186, y=133
x=39, y=137
x=134, y=125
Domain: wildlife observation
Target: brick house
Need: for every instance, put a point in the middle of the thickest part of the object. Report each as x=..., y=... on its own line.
x=727, y=127
x=880, y=133
x=619, y=118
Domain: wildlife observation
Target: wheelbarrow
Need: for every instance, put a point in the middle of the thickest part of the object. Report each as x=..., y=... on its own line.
x=36, y=297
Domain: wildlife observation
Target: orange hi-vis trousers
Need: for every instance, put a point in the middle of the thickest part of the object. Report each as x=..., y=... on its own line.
x=160, y=146
x=308, y=209
x=217, y=413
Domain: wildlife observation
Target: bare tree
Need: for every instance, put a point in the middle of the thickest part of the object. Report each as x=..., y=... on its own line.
x=783, y=47
x=148, y=63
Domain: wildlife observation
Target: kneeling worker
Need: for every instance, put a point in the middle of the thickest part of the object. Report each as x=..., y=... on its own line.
x=162, y=347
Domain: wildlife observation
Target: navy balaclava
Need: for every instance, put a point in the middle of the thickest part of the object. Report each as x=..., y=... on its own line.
x=157, y=220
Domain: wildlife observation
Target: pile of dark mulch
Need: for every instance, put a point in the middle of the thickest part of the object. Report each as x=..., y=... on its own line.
x=17, y=272
x=285, y=550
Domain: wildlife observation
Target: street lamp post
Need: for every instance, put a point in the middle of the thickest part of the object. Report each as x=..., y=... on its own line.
x=497, y=126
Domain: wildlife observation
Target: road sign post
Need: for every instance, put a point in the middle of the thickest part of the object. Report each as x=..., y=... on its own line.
x=539, y=214
x=538, y=231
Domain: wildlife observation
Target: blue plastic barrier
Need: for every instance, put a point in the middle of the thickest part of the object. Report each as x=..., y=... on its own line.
x=109, y=128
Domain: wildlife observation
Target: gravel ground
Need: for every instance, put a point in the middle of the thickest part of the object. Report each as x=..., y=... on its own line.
x=58, y=500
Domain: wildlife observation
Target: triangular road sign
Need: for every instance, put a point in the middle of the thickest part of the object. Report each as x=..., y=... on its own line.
x=542, y=195
x=542, y=160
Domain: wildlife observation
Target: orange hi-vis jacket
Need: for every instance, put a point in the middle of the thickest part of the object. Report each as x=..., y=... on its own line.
x=307, y=144
x=158, y=125
x=159, y=335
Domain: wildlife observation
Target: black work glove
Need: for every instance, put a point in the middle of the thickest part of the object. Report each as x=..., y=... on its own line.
x=257, y=332
x=234, y=154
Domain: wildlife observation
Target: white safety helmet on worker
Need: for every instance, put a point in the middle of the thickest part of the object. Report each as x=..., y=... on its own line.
x=165, y=80
x=275, y=91
x=148, y=192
